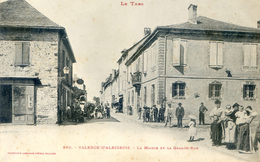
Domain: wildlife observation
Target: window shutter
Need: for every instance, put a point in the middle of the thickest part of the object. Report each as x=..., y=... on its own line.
x=154, y=54
x=150, y=56
x=256, y=93
x=176, y=52
x=26, y=53
x=183, y=51
x=253, y=53
x=244, y=91
x=210, y=91
x=220, y=54
x=246, y=55
x=145, y=61
x=213, y=53
x=18, y=53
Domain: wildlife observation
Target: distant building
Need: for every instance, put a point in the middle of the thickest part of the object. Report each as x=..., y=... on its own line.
x=109, y=90
x=36, y=66
x=200, y=60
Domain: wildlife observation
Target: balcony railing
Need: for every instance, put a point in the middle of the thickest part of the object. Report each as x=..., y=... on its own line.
x=136, y=81
x=136, y=78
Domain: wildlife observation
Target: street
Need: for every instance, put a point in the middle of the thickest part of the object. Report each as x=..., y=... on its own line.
x=121, y=138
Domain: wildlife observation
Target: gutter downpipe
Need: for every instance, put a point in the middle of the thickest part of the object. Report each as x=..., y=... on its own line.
x=165, y=61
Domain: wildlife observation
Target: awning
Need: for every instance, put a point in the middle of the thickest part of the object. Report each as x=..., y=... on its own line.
x=20, y=80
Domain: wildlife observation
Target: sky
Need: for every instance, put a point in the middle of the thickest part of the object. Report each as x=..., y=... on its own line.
x=99, y=30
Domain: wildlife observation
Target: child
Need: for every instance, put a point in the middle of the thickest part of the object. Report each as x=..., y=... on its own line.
x=192, y=129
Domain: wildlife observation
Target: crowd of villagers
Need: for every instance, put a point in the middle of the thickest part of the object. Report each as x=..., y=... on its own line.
x=232, y=126
x=102, y=111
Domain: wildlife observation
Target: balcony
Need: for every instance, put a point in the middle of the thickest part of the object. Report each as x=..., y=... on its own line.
x=136, y=81
x=136, y=78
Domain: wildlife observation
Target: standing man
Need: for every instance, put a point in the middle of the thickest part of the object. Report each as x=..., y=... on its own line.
x=168, y=113
x=179, y=115
x=139, y=112
x=155, y=113
x=108, y=111
x=202, y=111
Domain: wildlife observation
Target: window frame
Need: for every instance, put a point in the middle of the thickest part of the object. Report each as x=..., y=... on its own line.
x=152, y=94
x=250, y=66
x=20, y=53
x=145, y=95
x=218, y=55
x=180, y=52
x=247, y=91
x=178, y=90
x=213, y=91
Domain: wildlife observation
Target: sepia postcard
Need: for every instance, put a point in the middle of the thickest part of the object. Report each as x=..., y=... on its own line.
x=122, y=80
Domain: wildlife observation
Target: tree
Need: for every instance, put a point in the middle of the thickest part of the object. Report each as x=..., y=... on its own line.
x=77, y=93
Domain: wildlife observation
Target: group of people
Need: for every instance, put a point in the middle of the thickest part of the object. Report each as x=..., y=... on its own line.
x=75, y=114
x=169, y=113
x=103, y=112
x=162, y=114
x=232, y=126
x=152, y=114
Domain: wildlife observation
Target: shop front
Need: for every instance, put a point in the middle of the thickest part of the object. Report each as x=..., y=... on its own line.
x=18, y=100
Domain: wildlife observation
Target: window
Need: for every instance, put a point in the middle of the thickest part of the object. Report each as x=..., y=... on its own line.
x=128, y=98
x=178, y=90
x=216, y=54
x=153, y=95
x=215, y=90
x=133, y=97
x=145, y=95
x=145, y=61
x=179, y=52
x=22, y=53
x=249, y=91
x=250, y=55
x=154, y=54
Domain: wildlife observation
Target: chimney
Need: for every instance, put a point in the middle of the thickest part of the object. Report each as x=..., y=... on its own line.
x=192, y=13
x=258, y=24
x=147, y=31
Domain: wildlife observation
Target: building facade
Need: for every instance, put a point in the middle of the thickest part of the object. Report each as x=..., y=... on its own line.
x=200, y=60
x=37, y=66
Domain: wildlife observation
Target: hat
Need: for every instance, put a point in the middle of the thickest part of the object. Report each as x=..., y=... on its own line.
x=179, y=103
x=228, y=106
x=217, y=101
x=235, y=105
x=249, y=107
x=192, y=116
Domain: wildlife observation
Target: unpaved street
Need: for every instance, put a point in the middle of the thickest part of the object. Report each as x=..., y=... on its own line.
x=121, y=138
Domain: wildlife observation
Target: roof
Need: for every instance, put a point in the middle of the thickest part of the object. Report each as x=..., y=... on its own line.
x=132, y=50
x=19, y=13
x=204, y=23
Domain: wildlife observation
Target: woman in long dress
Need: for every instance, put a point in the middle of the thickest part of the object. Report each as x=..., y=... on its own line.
x=244, y=118
x=216, y=116
x=230, y=128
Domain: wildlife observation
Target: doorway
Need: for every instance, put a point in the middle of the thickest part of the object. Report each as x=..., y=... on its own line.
x=5, y=104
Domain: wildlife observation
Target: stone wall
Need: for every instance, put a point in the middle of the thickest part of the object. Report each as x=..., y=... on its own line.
x=44, y=65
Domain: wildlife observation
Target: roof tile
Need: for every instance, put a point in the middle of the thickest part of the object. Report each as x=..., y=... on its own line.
x=21, y=13
x=204, y=23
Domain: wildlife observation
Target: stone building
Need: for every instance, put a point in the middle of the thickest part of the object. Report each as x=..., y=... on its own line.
x=200, y=60
x=36, y=59
x=109, y=90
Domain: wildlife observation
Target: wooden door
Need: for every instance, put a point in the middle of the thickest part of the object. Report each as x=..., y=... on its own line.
x=23, y=104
